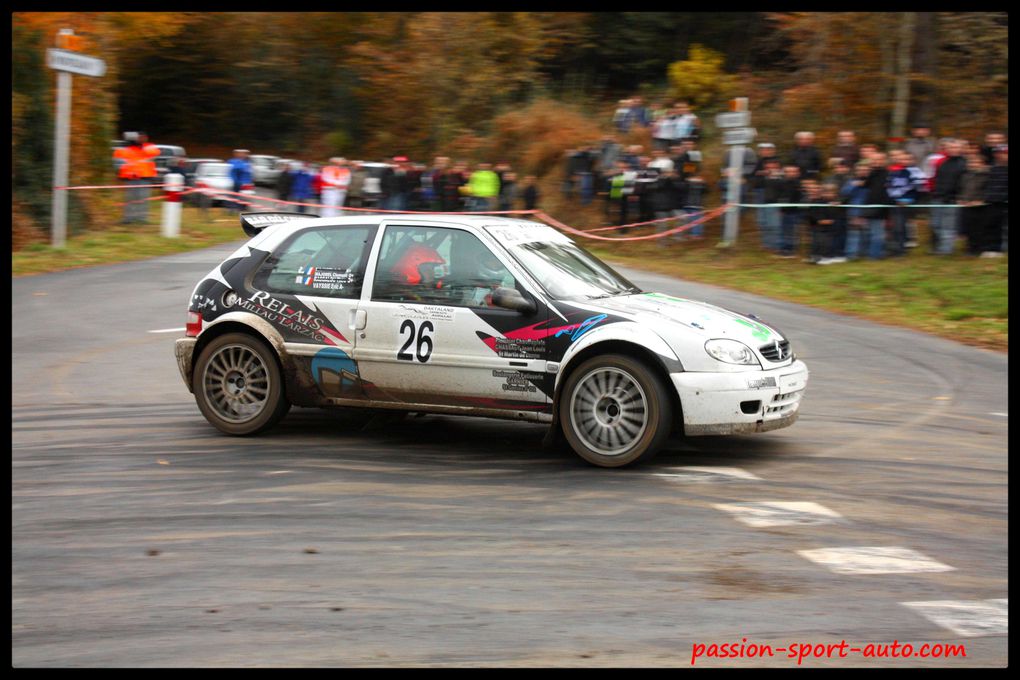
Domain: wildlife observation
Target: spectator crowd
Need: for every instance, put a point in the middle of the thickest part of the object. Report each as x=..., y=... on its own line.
x=400, y=184
x=859, y=200
x=805, y=196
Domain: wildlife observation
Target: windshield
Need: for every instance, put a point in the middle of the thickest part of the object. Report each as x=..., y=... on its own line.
x=563, y=268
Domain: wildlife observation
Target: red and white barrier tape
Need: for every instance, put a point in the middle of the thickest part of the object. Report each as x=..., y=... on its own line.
x=110, y=186
x=705, y=215
x=676, y=230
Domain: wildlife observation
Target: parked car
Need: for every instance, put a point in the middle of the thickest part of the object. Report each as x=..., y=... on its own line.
x=169, y=159
x=189, y=167
x=372, y=188
x=264, y=169
x=215, y=178
x=473, y=315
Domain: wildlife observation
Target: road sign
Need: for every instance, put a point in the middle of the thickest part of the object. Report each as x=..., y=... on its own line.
x=733, y=120
x=743, y=135
x=62, y=60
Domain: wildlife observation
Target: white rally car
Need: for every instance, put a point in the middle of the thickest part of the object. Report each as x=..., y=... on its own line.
x=473, y=315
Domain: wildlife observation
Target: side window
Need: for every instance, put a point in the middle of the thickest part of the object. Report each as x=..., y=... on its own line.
x=438, y=266
x=326, y=261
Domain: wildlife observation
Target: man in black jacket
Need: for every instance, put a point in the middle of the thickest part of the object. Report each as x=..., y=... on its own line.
x=947, y=186
x=877, y=195
x=997, y=198
x=805, y=155
x=789, y=192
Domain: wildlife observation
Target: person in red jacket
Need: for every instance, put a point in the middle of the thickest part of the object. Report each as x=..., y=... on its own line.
x=316, y=171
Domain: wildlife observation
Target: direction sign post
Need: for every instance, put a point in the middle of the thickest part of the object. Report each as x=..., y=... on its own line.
x=61, y=153
x=735, y=119
x=735, y=135
x=65, y=63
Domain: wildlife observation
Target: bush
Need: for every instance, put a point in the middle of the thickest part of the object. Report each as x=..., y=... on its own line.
x=534, y=139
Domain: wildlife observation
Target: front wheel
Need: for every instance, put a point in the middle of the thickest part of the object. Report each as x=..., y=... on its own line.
x=238, y=385
x=615, y=411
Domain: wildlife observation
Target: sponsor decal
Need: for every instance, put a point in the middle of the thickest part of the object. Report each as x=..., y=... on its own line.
x=335, y=372
x=581, y=328
x=757, y=330
x=517, y=381
x=663, y=296
x=527, y=233
x=326, y=278
x=760, y=383
x=529, y=342
x=281, y=313
x=200, y=302
x=425, y=312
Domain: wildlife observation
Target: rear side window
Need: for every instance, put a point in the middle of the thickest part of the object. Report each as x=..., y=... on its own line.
x=325, y=261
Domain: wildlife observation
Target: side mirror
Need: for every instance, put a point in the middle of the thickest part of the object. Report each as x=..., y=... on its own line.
x=511, y=298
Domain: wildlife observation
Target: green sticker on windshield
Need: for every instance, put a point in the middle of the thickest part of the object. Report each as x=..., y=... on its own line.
x=757, y=330
x=665, y=297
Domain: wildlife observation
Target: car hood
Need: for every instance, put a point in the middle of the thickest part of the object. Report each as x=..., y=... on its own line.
x=702, y=318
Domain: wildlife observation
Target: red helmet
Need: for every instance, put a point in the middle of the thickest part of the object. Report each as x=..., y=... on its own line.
x=418, y=254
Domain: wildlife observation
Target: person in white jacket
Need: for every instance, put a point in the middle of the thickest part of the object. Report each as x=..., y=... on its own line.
x=336, y=178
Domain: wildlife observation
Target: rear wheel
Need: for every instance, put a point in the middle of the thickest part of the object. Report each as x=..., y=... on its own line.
x=615, y=411
x=238, y=385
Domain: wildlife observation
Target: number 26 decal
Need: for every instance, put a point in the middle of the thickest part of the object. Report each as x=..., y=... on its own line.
x=423, y=346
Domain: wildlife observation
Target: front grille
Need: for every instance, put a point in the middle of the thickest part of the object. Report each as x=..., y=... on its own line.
x=783, y=404
x=776, y=351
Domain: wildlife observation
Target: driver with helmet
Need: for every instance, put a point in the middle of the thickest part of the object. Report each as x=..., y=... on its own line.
x=416, y=271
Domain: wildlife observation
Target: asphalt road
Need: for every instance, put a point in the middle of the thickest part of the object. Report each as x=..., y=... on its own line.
x=143, y=537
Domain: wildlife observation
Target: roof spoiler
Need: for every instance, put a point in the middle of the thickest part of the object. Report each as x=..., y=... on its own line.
x=254, y=222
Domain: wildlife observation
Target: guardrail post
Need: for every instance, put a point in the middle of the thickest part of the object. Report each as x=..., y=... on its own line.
x=173, y=184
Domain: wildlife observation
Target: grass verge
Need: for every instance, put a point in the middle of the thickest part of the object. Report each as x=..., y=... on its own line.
x=958, y=297
x=122, y=243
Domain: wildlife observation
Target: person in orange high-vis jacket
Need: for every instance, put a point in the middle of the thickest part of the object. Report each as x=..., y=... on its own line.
x=137, y=169
x=336, y=178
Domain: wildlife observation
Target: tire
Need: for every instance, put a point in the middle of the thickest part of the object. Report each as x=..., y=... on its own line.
x=238, y=385
x=615, y=411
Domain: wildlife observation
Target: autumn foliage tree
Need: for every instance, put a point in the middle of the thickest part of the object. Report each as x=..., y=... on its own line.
x=700, y=79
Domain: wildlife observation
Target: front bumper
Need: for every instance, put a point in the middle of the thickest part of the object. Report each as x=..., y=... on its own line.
x=718, y=403
x=184, y=349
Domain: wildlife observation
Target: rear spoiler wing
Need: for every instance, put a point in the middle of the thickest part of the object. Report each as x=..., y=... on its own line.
x=254, y=222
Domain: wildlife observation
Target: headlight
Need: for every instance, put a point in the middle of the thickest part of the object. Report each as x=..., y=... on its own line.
x=731, y=352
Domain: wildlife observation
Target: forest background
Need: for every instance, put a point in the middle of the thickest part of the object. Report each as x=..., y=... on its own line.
x=516, y=86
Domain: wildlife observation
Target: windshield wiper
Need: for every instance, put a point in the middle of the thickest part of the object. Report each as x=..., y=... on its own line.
x=609, y=294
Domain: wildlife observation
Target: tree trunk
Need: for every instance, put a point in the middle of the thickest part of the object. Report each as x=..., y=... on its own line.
x=922, y=101
x=903, y=68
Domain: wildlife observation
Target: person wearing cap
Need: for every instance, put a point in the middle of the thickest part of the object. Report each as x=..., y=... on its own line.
x=336, y=178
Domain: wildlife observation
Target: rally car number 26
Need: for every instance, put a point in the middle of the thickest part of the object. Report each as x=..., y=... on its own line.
x=473, y=315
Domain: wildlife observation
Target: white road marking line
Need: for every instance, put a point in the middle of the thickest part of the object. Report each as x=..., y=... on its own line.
x=694, y=473
x=780, y=513
x=167, y=330
x=967, y=618
x=1004, y=415
x=874, y=560
x=277, y=472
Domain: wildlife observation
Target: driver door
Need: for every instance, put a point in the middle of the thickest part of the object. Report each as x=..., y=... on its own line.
x=431, y=333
